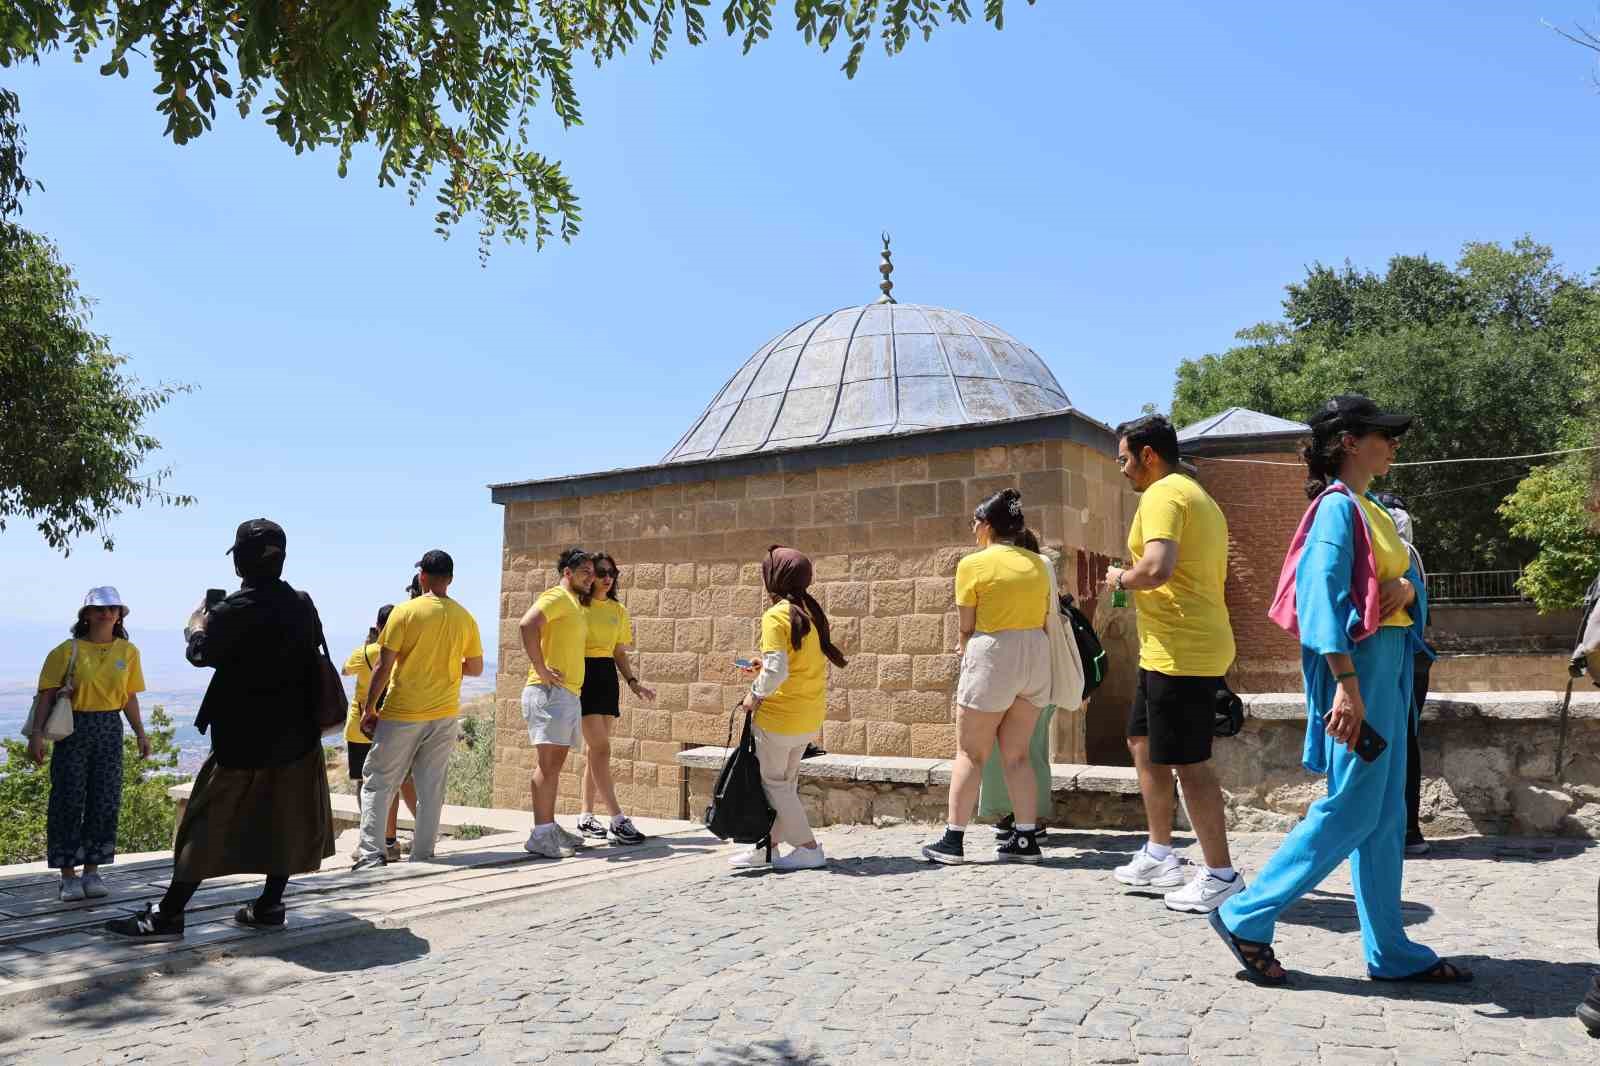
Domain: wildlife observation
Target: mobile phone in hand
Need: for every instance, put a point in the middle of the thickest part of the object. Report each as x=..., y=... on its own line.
x=214, y=597
x=1370, y=743
x=745, y=664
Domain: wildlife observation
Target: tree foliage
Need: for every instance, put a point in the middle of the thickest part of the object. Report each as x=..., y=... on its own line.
x=1492, y=355
x=146, y=819
x=72, y=448
x=445, y=91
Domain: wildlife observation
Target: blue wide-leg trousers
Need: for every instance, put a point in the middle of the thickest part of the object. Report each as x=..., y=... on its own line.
x=1362, y=817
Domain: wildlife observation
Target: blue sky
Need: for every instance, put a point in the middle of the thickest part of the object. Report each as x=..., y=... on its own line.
x=1119, y=187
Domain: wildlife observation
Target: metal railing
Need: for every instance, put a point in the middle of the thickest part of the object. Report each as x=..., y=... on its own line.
x=1475, y=586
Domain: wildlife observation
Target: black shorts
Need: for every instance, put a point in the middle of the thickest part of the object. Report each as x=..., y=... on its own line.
x=356, y=752
x=1178, y=714
x=600, y=694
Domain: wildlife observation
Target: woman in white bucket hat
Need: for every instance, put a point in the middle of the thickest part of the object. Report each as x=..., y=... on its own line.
x=100, y=669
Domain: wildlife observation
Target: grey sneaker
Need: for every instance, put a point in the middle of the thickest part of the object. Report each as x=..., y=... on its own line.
x=94, y=886
x=571, y=840
x=72, y=889
x=545, y=843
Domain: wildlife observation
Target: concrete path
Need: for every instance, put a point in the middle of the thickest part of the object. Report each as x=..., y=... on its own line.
x=879, y=959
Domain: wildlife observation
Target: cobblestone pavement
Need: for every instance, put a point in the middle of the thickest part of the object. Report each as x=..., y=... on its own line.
x=881, y=959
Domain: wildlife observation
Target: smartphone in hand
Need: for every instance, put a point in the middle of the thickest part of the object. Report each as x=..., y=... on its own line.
x=1369, y=744
x=745, y=664
x=214, y=597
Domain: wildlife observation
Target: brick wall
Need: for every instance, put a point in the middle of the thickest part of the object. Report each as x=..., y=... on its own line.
x=884, y=537
x=1263, y=505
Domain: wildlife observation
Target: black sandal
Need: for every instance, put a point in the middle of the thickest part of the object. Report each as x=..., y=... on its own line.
x=1257, y=961
x=1442, y=972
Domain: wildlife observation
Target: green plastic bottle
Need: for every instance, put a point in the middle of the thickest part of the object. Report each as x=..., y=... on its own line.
x=1119, y=597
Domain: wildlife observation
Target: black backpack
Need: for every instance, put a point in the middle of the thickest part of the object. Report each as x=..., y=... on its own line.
x=739, y=809
x=1089, y=647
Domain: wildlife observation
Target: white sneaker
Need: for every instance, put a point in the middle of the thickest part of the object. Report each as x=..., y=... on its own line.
x=754, y=858
x=800, y=859
x=546, y=844
x=1146, y=870
x=1204, y=894
x=571, y=840
x=94, y=887
x=71, y=889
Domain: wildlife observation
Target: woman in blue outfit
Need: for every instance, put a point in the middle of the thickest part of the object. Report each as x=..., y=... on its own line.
x=1348, y=681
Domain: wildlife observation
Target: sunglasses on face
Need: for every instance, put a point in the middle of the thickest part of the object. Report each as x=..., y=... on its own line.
x=605, y=573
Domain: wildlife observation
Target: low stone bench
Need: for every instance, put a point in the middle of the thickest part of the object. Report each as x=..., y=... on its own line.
x=885, y=790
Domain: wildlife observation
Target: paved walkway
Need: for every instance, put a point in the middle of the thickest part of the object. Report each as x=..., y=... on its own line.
x=882, y=958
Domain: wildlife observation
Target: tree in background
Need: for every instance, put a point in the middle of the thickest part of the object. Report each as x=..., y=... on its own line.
x=446, y=93
x=72, y=447
x=1494, y=356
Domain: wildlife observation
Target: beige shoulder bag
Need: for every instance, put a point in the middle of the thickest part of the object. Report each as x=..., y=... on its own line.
x=58, y=725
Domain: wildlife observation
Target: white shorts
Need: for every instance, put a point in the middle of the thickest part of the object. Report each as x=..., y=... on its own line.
x=554, y=715
x=1000, y=667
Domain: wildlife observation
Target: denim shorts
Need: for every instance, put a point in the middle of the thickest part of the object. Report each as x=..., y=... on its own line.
x=554, y=715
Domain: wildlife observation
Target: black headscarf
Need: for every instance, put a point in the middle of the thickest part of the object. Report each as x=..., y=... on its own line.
x=787, y=574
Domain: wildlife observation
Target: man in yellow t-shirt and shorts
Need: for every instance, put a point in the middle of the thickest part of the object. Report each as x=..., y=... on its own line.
x=428, y=644
x=555, y=631
x=1179, y=546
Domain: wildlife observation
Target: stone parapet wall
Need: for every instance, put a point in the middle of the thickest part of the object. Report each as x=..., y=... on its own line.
x=885, y=537
x=1488, y=764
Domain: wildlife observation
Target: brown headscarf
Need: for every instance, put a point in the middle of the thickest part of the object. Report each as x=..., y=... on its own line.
x=787, y=574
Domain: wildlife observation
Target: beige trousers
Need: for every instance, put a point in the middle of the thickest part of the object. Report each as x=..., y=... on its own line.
x=779, y=754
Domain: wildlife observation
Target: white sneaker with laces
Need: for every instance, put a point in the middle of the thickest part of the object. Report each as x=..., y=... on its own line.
x=71, y=889
x=1145, y=870
x=800, y=859
x=1204, y=894
x=546, y=844
x=753, y=858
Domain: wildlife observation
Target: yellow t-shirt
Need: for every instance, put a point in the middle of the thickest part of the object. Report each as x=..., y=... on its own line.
x=609, y=626
x=430, y=636
x=1394, y=559
x=801, y=702
x=1183, y=625
x=1008, y=585
x=565, y=634
x=361, y=663
x=104, y=677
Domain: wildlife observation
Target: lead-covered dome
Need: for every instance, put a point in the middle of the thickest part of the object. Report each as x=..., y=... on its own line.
x=870, y=371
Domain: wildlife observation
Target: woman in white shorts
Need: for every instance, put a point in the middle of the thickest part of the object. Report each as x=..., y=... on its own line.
x=1003, y=593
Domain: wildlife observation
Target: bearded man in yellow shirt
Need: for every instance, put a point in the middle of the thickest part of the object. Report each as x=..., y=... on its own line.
x=554, y=632
x=1179, y=544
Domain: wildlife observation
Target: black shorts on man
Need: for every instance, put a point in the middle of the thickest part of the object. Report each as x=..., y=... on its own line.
x=1177, y=714
x=355, y=752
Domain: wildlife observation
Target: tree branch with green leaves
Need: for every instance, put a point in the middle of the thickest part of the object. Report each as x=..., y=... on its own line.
x=445, y=92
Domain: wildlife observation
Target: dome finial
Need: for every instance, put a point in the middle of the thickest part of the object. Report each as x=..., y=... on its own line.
x=886, y=267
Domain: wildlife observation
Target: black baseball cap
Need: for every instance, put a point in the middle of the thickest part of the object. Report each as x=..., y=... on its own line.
x=1354, y=411
x=436, y=562
x=258, y=537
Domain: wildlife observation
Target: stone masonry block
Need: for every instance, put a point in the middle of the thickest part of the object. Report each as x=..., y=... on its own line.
x=693, y=634
x=669, y=696
x=670, y=666
x=653, y=634
x=880, y=634
x=933, y=741
x=734, y=635
x=877, y=505
x=764, y=485
x=652, y=725
x=861, y=673
x=935, y=595
x=917, y=501
x=871, y=704
x=991, y=461
x=705, y=697
x=888, y=738
x=923, y=707
x=845, y=737
x=701, y=728
x=755, y=514
x=748, y=601
x=846, y=634
x=847, y=597
x=936, y=672
x=750, y=574
x=658, y=751
x=800, y=484
x=945, y=465
x=875, y=566
x=922, y=633
x=838, y=705
x=834, y=508
x=713, y=602
x=830, y=567
x=892, y=599
x=792, y=511
x=680, y=575
x=677, y=603
x=894, y=671
x=642, y=601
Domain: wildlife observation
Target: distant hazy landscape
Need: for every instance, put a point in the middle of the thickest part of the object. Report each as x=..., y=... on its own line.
x=171, y=682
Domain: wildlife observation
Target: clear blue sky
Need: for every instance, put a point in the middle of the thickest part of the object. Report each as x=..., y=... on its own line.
x=1120, y=187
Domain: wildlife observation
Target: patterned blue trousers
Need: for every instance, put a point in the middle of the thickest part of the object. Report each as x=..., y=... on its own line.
x=85, y=791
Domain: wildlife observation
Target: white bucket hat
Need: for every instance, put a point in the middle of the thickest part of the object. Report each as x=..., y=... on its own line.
x=105, y=596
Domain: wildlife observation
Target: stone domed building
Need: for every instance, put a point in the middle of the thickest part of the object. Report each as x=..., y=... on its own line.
x=863, y=437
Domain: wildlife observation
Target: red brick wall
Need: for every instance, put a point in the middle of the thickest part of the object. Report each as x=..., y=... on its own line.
x=1263, y=505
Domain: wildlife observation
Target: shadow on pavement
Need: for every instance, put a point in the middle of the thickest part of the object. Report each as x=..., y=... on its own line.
x=1514, y=988
x=1336, y=912
x=374, y=947
x=777, y=1050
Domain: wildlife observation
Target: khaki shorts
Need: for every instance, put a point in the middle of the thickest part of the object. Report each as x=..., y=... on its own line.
x=1000, y=667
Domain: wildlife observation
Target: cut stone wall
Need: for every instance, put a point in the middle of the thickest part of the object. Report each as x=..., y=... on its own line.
x=884, y=536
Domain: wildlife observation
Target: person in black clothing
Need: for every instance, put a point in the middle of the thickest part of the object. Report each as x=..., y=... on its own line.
x=1421, y=669
x=260, y=803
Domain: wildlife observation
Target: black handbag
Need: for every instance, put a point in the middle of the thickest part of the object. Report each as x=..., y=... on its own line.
x=1229, y=717
x=739, y=810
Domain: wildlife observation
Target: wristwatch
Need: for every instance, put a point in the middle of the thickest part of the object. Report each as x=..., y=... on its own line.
x=1120, y=586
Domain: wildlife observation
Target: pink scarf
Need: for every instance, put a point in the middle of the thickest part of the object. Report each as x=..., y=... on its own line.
x=1363, y=575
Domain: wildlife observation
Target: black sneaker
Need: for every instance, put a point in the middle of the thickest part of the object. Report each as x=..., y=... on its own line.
x=947, y=850
x=1589, y=1009
x=1005, y=827
x=1019, y=847
x=148, y=925
x=592, y=827
x=371, y=862
x=1416, y=845
x=256, y=916
x=622, y=831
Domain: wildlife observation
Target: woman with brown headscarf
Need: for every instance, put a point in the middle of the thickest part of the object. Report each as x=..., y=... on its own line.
x=790, y=699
